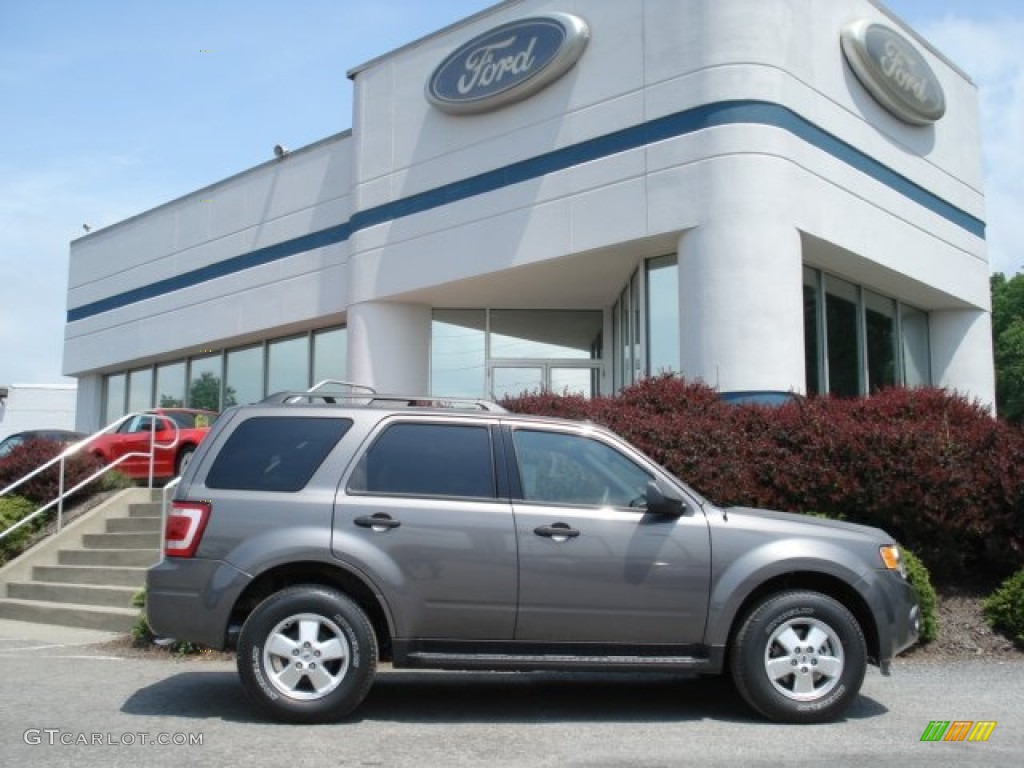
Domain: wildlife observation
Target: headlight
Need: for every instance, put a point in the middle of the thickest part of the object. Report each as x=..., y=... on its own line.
x=892, y=559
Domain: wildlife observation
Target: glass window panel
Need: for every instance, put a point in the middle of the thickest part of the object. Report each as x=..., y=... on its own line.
x=616, y=347
x=916, y=354
x=140, y=389
x=812, y=331
x=572, y=381
x=626, y=348
x=204, y=383
x=275, y=453
x=662, y=315
x=244, y=376
x=428, y=460
x=115, y=389
x=545, y=333
x=557, y=468
x=511, y=381
x=288, y=365
x=330, y=354
x=170, y=385
x=843, y=338
x=880, y=327
x=458, y=352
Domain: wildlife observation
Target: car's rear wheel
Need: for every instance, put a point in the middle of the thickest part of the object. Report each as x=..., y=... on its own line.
x=307, y=654
x=799, y=657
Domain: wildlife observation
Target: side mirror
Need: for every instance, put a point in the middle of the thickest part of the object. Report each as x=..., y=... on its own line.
x=658, y=503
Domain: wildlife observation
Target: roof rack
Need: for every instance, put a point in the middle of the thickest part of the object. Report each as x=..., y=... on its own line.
x=370, y=397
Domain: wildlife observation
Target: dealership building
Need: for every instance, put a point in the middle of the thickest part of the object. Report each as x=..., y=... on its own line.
x=571, y=195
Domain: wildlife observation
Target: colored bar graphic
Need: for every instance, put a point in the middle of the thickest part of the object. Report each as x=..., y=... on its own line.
x=935, y=730
x=958, y=730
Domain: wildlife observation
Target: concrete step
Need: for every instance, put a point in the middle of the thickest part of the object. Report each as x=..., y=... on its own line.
x=121, y=540
x=142, y=558
x=144, y=509
x=90, y=574
x=62, y=614
x=133, y=525
x=82, y=594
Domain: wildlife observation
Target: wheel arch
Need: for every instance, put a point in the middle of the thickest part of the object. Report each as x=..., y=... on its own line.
x=809, y=581
x=316, y=573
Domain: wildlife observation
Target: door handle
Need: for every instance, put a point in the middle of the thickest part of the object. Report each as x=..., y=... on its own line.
x=556, y=531
x=378, y=522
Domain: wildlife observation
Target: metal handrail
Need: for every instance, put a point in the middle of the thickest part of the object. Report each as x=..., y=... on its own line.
x=74, y=448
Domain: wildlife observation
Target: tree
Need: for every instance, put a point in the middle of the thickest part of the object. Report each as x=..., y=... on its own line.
x=1008, y=344
x=204, y=393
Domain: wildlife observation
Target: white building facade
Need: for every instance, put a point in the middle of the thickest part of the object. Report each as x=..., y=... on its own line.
x=762, y=194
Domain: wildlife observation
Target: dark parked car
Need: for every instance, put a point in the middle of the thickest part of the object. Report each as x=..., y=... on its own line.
x=317, y=539
x=60, y=436
x=770, y=398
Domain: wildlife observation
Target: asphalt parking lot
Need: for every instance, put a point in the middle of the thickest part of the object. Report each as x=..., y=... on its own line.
x=66, y=701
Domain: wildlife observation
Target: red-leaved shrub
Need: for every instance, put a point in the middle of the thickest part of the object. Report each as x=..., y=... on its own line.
x=932, y=468
x=44, y=487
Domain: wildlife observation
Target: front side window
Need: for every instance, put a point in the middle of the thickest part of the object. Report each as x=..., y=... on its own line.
x=428, y=460
x=275, y=453
x=560, y=468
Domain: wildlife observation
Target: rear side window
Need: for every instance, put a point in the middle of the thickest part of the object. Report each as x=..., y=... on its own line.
x=275, y=453
x=428, y=460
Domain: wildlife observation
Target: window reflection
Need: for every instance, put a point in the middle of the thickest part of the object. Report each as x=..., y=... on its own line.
x=204, y=383
x=880, y=324
x=843, y=341
x=662, y=315
x=170, y=385
x=545, y=334
x=458, y=352
x=871, y=341
x=114, y=396
x=244, y=376
x=916, y=357
x=288, y=365
x=330, y=355
x=140, y=388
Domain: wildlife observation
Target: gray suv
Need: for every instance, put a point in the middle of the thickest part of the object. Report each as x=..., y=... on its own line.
x=319, y=535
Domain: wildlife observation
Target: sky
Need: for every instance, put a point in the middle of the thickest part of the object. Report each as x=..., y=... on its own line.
x=111, y=107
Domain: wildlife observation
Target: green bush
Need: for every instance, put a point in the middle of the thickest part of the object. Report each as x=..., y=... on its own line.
x=13, y=509
x=918, y=576
x=1004, y=608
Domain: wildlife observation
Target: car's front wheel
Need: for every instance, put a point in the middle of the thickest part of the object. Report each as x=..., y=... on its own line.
x=307, y=654
x=799, y=657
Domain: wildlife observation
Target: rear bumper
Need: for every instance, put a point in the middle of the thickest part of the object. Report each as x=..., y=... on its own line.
x=192, y=599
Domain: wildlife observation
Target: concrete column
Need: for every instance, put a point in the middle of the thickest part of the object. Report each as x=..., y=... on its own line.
x=389, y=346
x=89, y=403
x=741, y=304
x=962, y=357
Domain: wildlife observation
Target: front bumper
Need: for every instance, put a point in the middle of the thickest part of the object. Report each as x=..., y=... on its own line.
x=899, y=618
x=192, y=599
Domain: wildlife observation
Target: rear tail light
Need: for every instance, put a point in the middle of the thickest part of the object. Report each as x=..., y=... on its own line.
x=185, y=525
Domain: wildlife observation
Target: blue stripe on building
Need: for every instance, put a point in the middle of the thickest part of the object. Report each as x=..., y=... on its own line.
x=634, y=137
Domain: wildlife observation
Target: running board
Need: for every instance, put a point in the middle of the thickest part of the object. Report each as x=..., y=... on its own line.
x=500, y=661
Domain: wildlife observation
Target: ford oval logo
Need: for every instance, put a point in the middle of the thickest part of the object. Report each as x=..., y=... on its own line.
x=894, y=72
x=508, y=63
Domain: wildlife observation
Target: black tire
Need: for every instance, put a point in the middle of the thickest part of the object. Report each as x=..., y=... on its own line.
x=307, y=654
x=788, y=681
x=184, y=457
